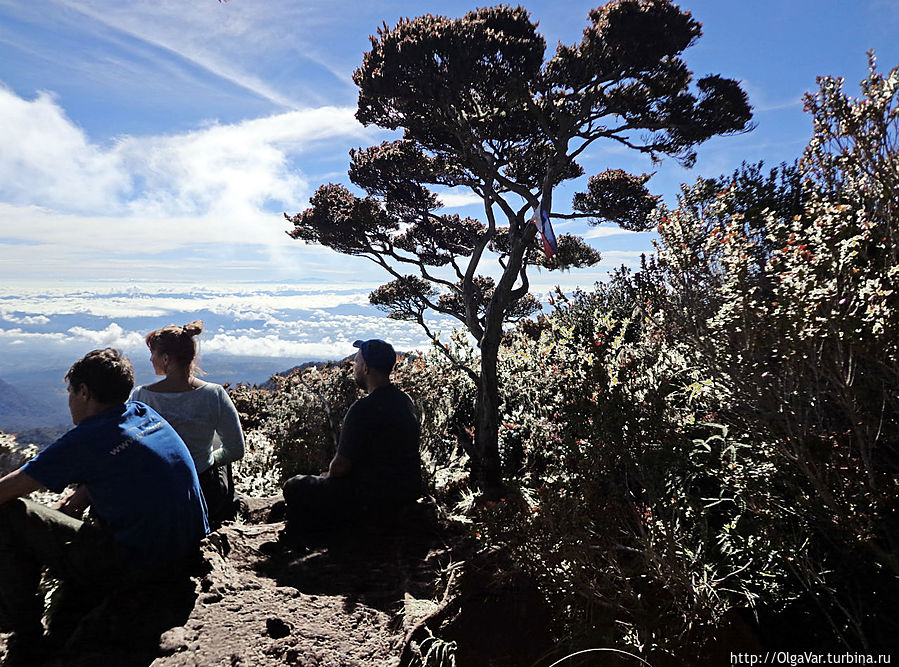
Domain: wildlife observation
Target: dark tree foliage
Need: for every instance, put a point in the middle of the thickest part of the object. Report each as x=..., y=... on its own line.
x=480, y=107
x=618, y=196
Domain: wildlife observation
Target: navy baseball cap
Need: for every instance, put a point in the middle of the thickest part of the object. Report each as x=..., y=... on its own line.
x=377, y=353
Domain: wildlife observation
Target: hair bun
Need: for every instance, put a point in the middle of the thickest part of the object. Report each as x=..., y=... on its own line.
x=195, y=328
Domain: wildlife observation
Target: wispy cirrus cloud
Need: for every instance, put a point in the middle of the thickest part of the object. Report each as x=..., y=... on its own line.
x=220, y=40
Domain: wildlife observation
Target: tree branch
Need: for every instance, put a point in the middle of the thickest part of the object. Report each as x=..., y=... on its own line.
x=445, y=350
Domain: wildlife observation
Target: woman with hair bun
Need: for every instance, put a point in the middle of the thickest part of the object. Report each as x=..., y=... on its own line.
x=201, y=412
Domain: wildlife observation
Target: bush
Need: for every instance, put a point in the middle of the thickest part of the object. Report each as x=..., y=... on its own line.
x=299, y=419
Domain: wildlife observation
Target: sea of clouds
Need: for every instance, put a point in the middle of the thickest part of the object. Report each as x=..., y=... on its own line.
x=45, y=329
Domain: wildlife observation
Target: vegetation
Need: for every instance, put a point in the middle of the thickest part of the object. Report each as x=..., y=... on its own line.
x=713, y=436
x=481, y=109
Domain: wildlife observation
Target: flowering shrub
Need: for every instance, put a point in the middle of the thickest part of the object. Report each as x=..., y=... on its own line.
x=297, y=424
x=259, y=473
x=627, y=492
x=12, y=454
x=718, y=431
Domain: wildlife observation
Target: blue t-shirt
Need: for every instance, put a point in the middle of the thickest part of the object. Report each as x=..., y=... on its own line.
x=141, y=479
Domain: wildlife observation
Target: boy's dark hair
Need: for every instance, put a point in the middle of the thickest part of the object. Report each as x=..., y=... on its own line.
x=107, y=373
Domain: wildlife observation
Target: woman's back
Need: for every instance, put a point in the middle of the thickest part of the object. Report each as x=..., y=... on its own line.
x=204, y=417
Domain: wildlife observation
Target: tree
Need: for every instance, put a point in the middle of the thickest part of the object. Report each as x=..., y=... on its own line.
x=480, y=108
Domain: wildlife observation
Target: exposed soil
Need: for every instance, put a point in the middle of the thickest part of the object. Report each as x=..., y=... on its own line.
x=353, y=601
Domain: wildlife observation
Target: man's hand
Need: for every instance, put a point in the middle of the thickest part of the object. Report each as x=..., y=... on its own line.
x=17, y=484
x=75, y=503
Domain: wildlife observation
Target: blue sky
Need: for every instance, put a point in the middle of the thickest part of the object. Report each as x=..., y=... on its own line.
x=150, y=148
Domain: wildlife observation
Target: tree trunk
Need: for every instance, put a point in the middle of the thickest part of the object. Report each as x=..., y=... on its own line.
x=487, y=470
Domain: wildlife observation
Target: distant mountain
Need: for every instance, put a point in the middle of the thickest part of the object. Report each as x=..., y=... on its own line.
x=20, y=409
x=34, y=401
x=222, y=368
x=270, y=383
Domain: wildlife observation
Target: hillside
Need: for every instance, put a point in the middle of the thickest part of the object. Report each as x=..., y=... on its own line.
x=20, y=409
x=354, y=601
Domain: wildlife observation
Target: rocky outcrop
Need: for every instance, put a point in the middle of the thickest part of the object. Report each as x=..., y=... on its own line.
x=252, y=602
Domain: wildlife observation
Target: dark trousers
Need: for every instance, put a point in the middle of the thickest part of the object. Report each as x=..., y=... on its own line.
x=218, y=489
x=33, y=537
x=318, y=503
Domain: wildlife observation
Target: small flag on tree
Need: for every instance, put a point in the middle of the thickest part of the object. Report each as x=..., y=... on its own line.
x=546, y=232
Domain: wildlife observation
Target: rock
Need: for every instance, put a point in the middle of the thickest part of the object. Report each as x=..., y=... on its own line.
x=338, y=605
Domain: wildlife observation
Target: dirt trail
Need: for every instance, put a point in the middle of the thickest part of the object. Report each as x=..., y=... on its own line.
x=350, y=603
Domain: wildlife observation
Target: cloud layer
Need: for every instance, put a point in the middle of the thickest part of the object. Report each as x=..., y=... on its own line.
x=43, y=328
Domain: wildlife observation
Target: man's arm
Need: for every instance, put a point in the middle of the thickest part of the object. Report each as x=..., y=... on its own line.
x=17, y=484
x=352, y=435
x=75, y=503
x=340, y=466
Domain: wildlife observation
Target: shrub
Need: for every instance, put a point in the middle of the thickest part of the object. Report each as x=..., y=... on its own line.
x=718, y=431
x=300, y=417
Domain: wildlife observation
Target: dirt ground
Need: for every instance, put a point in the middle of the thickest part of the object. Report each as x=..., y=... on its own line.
x=352, y=601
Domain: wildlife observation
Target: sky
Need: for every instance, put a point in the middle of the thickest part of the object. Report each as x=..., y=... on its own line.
x=150, y=149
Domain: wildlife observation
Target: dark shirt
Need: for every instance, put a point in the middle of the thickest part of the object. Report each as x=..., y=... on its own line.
x=140, y=477
x=380, y=437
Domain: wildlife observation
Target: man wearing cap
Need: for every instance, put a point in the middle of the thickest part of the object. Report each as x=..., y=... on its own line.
x=377, y=464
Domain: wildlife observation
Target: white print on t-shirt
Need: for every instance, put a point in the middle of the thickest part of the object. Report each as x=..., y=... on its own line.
x=141, y=431
x=121, y=447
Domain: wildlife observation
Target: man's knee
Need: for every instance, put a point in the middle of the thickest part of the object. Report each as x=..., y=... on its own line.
x=12, y=515
x=295, y=488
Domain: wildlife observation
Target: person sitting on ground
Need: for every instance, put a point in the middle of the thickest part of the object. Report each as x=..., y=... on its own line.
x=201, y=412
x=377, y=464
x=147, y=511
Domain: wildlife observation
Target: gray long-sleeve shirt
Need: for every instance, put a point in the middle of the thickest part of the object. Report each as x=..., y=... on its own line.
x=204, y=417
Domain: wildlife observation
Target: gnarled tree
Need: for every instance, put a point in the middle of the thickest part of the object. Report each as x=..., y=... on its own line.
x=480, y=108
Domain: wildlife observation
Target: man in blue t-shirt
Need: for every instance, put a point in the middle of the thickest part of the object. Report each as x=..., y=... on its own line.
x=147, y=511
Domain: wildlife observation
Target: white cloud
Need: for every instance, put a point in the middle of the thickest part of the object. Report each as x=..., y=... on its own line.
x=276, y=304
x=603, y=232
x=457, y=198
x=47, y=158
x=273, y=346
x=74, y=207
x=27, y=319
x=18, y=336
x=223, y=169
x=232, y=169
x=277, y=321
x=112, y=336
